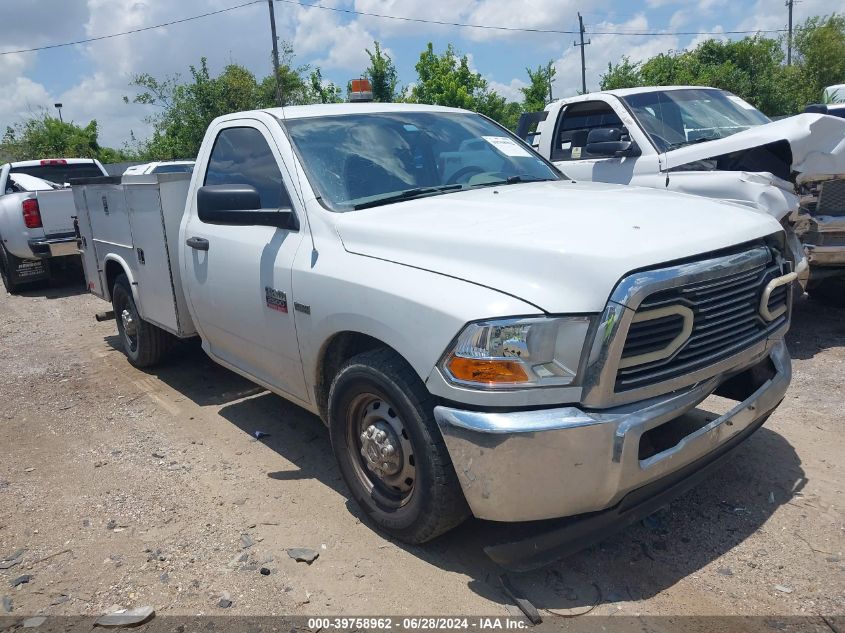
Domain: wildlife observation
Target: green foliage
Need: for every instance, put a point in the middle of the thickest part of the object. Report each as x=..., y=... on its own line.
x=536, y=93
x=820, y=50
x=752, y=67
x=43, y=136
x=382, y=75
x=447, y=80
x=325, y=92
x=622, y=75
x=187, y=108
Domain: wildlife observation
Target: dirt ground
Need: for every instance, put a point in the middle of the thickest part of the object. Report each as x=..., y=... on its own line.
x=130, y=488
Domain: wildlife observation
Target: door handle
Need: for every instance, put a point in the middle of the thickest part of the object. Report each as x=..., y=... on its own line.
x=198, y=243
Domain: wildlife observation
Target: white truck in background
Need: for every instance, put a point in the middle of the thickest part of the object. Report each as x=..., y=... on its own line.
x=480, y=334
x=711, y=143
x=161, y=167
x=36, y=217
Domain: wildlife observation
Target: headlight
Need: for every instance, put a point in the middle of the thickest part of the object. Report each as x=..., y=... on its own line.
x=517, y=353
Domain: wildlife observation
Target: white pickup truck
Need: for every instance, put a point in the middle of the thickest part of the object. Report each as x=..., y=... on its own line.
x=480, y=334
x=711, y=143
x=36, y=216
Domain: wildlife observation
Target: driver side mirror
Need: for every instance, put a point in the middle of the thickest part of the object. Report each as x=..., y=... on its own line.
x=240, y=205
x=611, y=142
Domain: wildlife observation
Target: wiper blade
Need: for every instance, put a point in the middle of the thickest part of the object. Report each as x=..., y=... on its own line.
x=407, y=195
x=512, y=180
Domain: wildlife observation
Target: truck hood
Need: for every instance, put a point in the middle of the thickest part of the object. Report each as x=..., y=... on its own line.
x=816, y=143
x=561, y=246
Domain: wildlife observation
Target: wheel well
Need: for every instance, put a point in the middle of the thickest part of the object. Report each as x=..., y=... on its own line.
x=339, y=349
x=113, y=270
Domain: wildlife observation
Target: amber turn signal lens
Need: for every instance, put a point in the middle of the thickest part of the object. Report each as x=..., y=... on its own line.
x=486, y=371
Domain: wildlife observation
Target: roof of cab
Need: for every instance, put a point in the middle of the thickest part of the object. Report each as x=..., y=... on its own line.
x=333, y=109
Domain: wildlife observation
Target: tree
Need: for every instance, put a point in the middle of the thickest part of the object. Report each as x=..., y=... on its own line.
x=324, y=91
x=820, y=53
x=382, y=75
x=752, y=67
x=43, y=136
x=537, y=93
x=295, y=82
x=188, y=108
x=447, y=80
x=625, y=74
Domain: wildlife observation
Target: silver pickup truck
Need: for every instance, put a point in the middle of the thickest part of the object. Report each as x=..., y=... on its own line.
x=36, y=216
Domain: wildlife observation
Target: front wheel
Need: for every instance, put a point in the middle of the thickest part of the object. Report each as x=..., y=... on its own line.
x=143, y=343
x=390, y=452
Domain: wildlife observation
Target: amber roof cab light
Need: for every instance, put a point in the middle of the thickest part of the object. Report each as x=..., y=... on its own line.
x=360, y=90
x=31, y=214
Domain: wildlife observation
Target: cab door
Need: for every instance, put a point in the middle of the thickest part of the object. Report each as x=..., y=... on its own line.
x=569, y=145
x=238, y=278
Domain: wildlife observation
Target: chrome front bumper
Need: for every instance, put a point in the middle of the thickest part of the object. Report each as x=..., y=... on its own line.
x=530, y=465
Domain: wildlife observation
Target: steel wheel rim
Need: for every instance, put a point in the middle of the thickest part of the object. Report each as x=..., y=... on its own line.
x=373, y=425
x=127, y=323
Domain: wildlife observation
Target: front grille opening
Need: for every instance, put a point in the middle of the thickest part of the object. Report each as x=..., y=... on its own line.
x=653, y=335
x=669, y=434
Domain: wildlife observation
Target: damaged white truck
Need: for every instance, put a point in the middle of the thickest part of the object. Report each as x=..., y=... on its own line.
x=480, y=334
x=711, y=143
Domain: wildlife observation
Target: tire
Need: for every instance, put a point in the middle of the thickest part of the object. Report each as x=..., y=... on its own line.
x=830, y=291
x=143, y=343
x=6, y=265
x=377, y=391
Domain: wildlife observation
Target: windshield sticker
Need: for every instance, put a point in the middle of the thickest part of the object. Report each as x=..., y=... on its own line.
x=576, y=153
x=507, y=146
x=741, y=103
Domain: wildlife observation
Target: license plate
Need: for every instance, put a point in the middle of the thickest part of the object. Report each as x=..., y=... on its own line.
x=63, y=248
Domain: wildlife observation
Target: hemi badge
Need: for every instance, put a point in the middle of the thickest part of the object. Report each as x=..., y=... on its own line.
x=301, y=307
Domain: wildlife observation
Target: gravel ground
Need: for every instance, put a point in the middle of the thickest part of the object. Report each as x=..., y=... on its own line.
x=125, y=488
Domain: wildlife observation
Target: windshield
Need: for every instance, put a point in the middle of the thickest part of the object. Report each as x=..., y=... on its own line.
x=674, y=118
x=60, y=173
x=355, y=161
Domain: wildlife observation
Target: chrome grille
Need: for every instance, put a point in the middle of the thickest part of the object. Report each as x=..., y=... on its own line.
x=726, y=321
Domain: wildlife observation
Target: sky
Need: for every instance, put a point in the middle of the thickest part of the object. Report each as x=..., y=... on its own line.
x=91, y=79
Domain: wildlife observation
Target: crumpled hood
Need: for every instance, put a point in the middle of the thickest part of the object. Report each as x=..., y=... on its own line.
x=817, y=142
x=561, y=246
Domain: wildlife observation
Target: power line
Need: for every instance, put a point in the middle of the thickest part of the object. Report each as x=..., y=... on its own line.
x=522, y=30
x=390, y=17
x=138, y=30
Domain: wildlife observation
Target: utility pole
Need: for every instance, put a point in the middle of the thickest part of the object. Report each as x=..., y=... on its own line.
x=549, y=72
x=275, y=54
x=789, y=4
x=583, y=63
